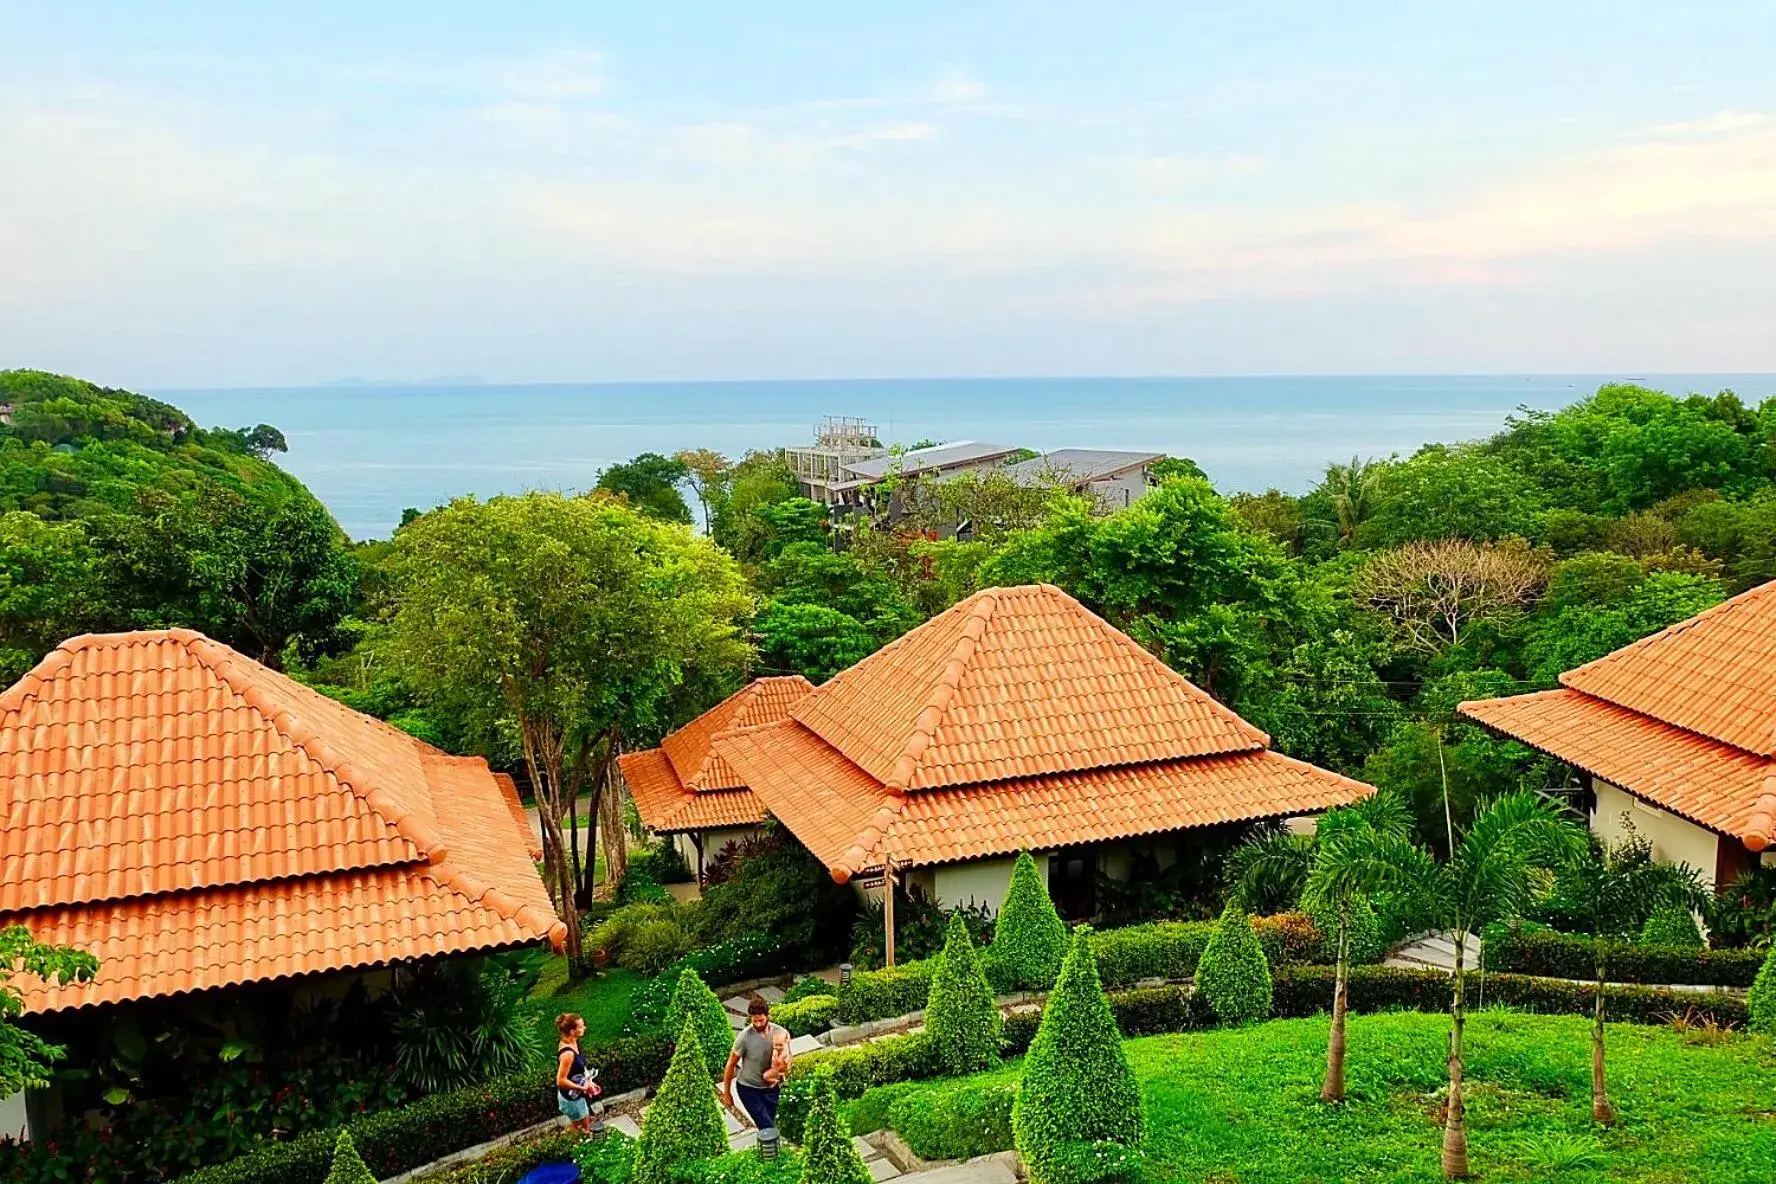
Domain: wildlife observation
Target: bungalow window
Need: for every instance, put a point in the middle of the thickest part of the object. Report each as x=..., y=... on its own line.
x=1073, y=882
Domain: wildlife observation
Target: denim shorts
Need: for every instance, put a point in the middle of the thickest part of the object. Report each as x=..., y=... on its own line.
x=573, y=1109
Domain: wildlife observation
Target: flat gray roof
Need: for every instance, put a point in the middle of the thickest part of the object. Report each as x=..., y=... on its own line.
x=1080, y=465
x=919, y=460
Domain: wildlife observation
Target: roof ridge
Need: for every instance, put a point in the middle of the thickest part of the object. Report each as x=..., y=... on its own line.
x=220, y=659
x=937, y=704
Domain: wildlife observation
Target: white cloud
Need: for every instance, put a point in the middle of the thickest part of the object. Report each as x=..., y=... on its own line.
x=1718, y=123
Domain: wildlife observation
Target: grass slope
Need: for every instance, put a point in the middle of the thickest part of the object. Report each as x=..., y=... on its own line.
x=1241, y=1105
x=603, y=1002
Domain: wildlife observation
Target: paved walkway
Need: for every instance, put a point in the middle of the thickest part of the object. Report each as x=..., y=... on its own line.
x=1436, y=951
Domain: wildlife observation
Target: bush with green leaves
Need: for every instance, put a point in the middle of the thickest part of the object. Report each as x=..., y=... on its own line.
x=1367, y=941
x=1029, y=938
x=610, y=1160
x=646, y=936
x=780, y=889
x=1672, y=924
x=958, y=1122
x=692, y=1000
x=961, y=1013
x=1077, y=1086
x=684, y=1123
x=829, y=1156
x=807, y=1016
x=1233, y=976
x=807, y=987
x=348, y=1166
x=1760, y=1002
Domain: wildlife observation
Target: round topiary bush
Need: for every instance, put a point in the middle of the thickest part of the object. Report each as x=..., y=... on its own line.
x=684, y=1123
x=348, y=1165
x=1761, y=1001
x=1233, y=976
x=1078, y=1103
x=828, y=1154
x=1029, y=937
x=1672, y=924
x=693, y=1000
x=960, y=1012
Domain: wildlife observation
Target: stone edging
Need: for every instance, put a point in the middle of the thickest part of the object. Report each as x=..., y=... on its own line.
x=468, y=1155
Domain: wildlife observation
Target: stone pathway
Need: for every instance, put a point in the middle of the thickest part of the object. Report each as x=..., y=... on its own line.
x=1436, y=951
x=736, y=1009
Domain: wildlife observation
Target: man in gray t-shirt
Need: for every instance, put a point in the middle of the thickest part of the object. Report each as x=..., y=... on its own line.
x=757, y=1066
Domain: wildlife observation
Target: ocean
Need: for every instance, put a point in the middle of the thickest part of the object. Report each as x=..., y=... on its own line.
x=369, y=452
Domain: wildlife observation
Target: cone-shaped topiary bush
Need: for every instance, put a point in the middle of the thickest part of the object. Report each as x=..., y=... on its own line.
x=1672, y=924
x=693, y=1000
x=1233, y=976
x=828, y=1155
x=1761, y=1001
x=1367, y=942
x=684, y=1123
x=1078, y=1103
x=960, y=1012
x=1029, y=937
x=348, y=1165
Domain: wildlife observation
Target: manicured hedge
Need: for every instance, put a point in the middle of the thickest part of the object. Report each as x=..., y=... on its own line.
x=808, y=1016
x=882, y=994
x=718, y=965
x=395, y=1141
x=1307, y=990
x=1565, y=955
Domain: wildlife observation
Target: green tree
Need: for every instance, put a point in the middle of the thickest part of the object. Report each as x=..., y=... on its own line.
x=25, y=1057
x=1352, y=491
x=1672, y=923
x=1029, y=937
x=1329, y=892
x=51, y=588
x=1176, y=570
x=569, y=622
x=693, y=1001
x=828, y=1154
x=650, y=483
x=1078, y=1092
x=348, y=1166
x=684, y=1124
x=1760, y=1001
x=708, y=473
x=1489, y=876
x=757, y=480
x=1585, y=618
x=810, y=639
x=1450, y=493
x=1233, y=975
x=961, y=1014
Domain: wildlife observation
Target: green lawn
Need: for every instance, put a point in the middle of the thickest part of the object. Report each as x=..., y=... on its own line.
x=603, y=1001
x=1242, y=1104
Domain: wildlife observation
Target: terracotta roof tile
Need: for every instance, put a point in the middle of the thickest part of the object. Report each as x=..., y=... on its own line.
x=847, y=818
x=666, y=806
x=1714, y=674
x=1725, y=788
x=762, y=701
x=1010, y=683
x=514, y=803
x=161, y=770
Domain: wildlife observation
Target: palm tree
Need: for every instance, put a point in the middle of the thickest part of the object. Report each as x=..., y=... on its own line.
x=1352, y=488
x=1300, y=865
x=1614, y=888
x=1489, y=876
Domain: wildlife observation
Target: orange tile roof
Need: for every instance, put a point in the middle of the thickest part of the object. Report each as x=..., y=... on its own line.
x=1702, y=779
x=1015, y=682
x=1684, y=718
x=150, y=782
x=762, y=701
x=1017, y=718
x=848, y=819
x=1714, y=674
x=685, y=784
x=514, y=803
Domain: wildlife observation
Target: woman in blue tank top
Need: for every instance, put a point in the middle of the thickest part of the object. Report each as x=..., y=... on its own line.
x=574, y=1087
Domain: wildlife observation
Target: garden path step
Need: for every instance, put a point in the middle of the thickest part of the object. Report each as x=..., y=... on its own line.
x=626, y=1124
x=976, y=1171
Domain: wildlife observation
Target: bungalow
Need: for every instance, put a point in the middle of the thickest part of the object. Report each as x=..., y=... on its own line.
x=1016, y=719
x=198, y=822
x=1674, y=736
x=686, y=791
x=1115, y=480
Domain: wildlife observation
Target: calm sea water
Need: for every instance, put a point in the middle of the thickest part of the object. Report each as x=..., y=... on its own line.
x=369, y=452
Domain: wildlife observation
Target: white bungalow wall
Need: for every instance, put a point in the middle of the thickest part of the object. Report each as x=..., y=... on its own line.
x=1674, y=839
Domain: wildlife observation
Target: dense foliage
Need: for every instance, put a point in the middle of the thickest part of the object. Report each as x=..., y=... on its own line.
x=1233, y=976
x=348, y=1167
x=830, y=1156
x=1029, y=937
x=1760, y=1002
x=1077, y=1093
x=960, y=1011
x=684, y=1123
x=694, y=1003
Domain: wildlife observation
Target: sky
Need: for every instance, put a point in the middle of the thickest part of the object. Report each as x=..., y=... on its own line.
x=233, y=194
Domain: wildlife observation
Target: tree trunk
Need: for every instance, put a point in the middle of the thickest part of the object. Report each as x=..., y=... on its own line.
x=543, y=760
x=1333, y=1088
x=573, y=840
x=616, y=835
x=1601, y=1111
x=1455, y=1129
x=592, y=808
